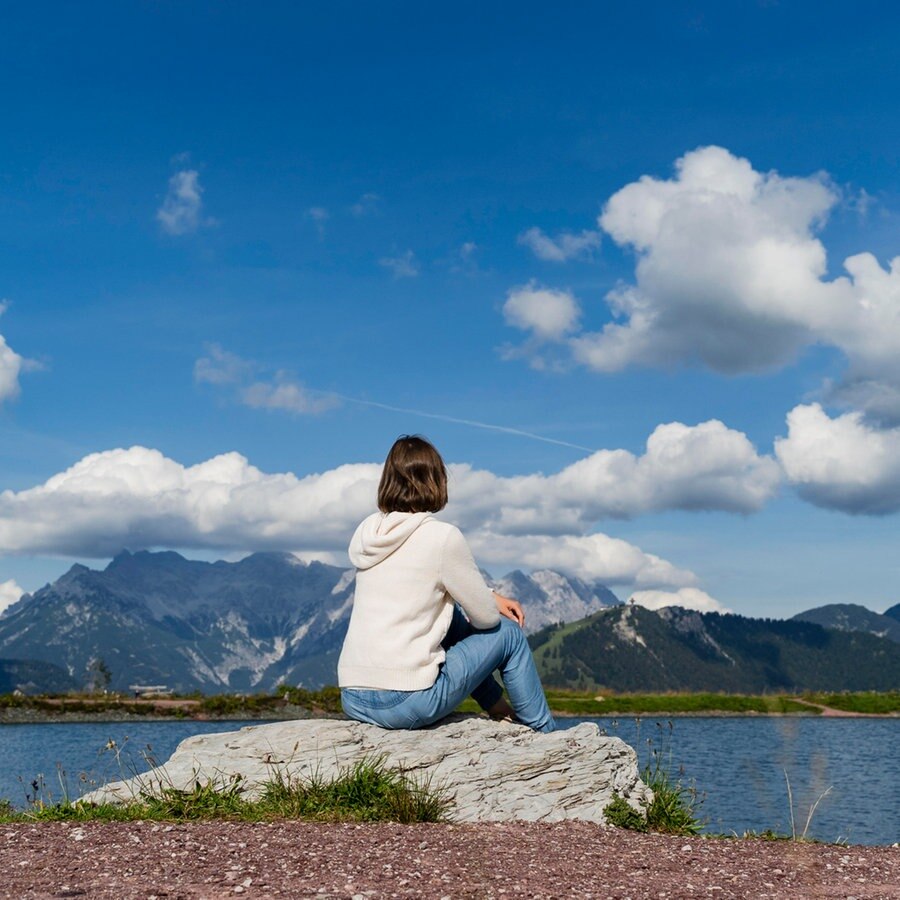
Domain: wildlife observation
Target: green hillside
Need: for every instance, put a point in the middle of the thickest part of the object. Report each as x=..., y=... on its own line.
x=635, y=649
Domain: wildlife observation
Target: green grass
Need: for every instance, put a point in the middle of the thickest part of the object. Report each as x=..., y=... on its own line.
x=863, y=702
x=564, y=702
x=367, y=792
x=674, y=807
x=585, y=704
x=326, y=700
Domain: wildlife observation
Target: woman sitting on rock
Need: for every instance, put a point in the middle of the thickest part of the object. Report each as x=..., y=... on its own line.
x=426, y=631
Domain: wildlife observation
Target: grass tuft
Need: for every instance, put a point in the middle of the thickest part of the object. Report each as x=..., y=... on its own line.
x=622, y=814
x=367, y=792
x=673, y=809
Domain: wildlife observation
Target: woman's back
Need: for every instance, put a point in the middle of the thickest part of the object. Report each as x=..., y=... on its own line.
x=410, y=569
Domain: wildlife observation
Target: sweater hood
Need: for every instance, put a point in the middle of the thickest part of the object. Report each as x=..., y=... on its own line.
x=379, y=535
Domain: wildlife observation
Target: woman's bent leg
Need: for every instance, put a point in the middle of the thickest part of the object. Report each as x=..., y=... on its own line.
x=470, y=661
x=488, y=693
x=469, y=664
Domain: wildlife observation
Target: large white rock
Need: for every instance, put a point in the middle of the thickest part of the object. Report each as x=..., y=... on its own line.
x=493, y=771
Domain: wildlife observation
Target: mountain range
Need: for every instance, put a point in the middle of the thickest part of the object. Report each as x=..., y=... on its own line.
x=852, y=617
x=158, y=618
x=630, y=648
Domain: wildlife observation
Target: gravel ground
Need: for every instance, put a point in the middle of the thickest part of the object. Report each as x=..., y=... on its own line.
x=297, y=860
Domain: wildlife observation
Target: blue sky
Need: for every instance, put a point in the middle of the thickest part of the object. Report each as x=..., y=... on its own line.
x=358, y=184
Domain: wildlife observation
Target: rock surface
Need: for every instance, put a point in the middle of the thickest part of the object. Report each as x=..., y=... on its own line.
x=493, y=771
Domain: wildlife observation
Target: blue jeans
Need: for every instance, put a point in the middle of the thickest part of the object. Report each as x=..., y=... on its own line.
x=472, y=656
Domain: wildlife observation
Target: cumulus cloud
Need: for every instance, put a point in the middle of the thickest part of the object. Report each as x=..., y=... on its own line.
x=592, y=556
x=841, y=463
x=11, y=365
x=731, y=275
x=703, y=467
x=728, y=273
x=686, y=598
x=139, y=498
x=549, y=314
x=242, y=378
x=403, y=266
x=182, y=206
x=563, y=247
x=9, y=594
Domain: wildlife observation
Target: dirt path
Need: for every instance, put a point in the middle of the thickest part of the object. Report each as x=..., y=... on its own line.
x=299, y=860
x=831, y=712
x=161, y=702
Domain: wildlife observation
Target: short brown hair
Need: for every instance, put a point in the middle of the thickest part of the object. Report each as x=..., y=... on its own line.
x=414, y=478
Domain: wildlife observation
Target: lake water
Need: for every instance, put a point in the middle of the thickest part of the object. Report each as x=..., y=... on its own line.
x=737, y=765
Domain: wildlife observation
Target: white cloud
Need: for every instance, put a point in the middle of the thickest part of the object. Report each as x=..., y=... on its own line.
x=592, y=556
x=366, y=205
x=702, y=467
x=181, y=209
x=9, y=594
x=731, y=275
x=240, y=377
x=329, y=558
x=464, y=260
x=319, y=216
x=548, y=314
x=11, y=365
x=221, y=367
x=563, y=247
x=686, y=597
x=841, y=463
x=403, y=266
x=286, y=395
x=139, y=498
x=728, y=273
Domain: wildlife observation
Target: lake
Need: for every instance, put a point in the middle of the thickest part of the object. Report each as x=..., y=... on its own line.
x=736, y=763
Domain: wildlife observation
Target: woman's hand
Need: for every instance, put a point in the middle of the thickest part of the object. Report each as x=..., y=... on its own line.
x=510, y=608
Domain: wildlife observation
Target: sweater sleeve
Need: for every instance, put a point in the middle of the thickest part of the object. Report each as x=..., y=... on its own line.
x=464, y=583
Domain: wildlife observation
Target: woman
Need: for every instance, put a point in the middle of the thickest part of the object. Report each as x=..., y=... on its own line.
x=426, y=631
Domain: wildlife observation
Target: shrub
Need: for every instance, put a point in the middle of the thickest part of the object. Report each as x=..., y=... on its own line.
x=622, y=814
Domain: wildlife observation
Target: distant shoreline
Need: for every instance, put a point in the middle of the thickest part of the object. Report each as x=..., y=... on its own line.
x=39, y=717
x=298, y=703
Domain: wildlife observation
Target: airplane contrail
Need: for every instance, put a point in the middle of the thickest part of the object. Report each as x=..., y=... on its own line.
x=471, y=422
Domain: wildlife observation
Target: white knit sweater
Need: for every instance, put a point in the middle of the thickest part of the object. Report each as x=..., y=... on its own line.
x=410, y=567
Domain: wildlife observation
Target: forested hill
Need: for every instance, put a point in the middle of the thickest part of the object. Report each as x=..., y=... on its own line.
x=853, y=617
x=34, y=676
x=635, y=649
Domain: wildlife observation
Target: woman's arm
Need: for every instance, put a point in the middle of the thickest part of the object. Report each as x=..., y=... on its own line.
x=465, y=584
x=510, y=608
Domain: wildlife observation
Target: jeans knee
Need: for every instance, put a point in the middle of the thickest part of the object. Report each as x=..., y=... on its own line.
x=512, y=633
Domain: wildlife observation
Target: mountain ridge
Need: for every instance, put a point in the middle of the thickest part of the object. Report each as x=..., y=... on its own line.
x=853, y=617
x=635, y=649
x=158, y=617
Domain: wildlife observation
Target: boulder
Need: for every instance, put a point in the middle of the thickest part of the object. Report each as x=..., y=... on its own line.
x=492, y=771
